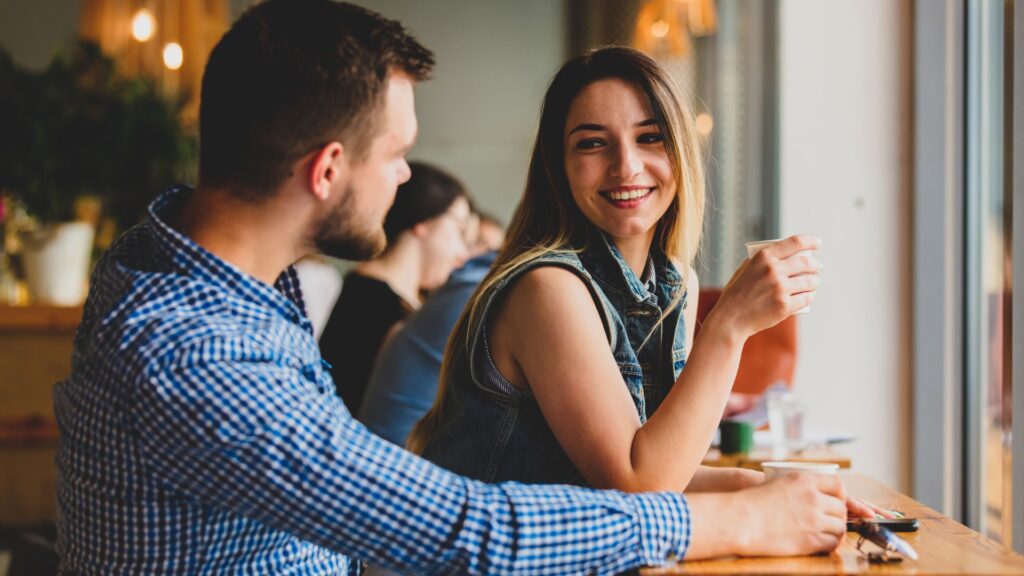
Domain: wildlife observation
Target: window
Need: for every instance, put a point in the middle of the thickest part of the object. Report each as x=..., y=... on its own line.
x=966, y=172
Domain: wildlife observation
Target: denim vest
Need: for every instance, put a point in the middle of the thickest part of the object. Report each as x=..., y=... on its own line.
x=495, y=432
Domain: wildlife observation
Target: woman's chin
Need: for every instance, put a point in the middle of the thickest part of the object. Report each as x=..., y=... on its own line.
x=628, y=230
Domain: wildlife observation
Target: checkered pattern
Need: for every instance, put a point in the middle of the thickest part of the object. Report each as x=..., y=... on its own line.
x=200, y=434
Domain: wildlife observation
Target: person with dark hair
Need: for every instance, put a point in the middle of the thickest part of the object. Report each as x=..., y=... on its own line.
x=199, y=430
x=403, y=384
x=426, y=231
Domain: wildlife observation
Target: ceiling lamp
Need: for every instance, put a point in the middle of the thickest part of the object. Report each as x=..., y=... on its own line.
x=143, y=25
x=665, y=26
x=173, y=55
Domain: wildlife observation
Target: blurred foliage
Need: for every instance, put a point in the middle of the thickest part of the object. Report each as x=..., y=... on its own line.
x=80, y=128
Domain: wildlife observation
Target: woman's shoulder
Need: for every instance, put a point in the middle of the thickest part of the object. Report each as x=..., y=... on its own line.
x=556, y=269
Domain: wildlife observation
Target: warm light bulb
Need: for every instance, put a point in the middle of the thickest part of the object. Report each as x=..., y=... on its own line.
x=659, y=29
x=143, y=25
x=173, y=55
x=704, y=123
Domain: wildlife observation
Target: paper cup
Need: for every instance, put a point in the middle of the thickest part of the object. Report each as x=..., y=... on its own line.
x=779, y=469
x=755, y=247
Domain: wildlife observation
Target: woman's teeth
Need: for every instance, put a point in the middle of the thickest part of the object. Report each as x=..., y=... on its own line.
x=629, y=194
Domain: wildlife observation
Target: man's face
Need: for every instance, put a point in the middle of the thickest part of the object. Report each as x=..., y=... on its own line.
x=354, y=226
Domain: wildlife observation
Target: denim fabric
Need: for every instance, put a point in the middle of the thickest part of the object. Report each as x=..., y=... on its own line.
x=497, y=433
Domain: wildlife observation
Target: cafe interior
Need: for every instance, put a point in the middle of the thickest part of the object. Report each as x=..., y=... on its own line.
x=886, y=128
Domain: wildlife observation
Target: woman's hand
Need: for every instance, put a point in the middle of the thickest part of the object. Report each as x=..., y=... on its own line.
x=857, y=508
x=715, y=479
x=767, y=288
x=743, y=478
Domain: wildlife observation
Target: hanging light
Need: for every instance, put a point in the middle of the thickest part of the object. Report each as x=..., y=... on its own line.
x=173, y=55
x=659, y=28
x=666, y=26
x=143, y=25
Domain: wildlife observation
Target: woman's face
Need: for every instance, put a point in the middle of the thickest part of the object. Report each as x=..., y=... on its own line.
x=615, y=160
x=444, y=244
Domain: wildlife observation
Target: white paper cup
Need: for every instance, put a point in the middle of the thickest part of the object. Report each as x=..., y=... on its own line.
x=779, y=469
x=755, y=247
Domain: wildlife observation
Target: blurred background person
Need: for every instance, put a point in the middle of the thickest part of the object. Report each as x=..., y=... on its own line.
x=404, y=381
x=490, y=234
x=425, y=230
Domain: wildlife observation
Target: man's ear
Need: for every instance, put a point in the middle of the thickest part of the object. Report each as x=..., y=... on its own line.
x=329, y=166
x=420, y=230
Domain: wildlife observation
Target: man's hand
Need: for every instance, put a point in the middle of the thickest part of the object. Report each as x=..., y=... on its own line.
x=795, y=515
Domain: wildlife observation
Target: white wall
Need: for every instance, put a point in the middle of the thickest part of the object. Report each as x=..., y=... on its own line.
x=32, y=30
x=845, y=121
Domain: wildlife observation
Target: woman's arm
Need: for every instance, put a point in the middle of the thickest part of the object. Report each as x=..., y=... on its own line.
x=716, y=479
x=708, y=478
x=548, y=336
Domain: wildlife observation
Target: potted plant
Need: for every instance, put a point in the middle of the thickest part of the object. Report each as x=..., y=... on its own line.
x=77, y=131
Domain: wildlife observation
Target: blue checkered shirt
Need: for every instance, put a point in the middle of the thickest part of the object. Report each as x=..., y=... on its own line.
x=200, y=434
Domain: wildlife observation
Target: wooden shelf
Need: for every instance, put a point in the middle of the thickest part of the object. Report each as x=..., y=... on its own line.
x=39, y=318
x=36, y=429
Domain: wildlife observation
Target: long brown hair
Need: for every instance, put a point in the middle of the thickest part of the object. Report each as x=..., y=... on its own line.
x=547, y=218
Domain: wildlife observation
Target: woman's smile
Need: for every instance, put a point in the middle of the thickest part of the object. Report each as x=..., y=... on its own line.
x=627, y=197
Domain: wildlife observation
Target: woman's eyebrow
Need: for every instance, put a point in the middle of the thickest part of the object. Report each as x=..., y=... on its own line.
x=599, y=128
x=594, y=127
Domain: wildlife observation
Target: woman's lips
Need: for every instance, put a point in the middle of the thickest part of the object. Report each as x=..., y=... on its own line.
x=627, y=196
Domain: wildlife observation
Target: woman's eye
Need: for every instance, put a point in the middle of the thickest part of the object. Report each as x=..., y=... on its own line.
x=650, y=138
x=589, y=143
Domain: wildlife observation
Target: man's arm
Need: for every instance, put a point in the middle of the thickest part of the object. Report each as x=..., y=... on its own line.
x=262, y=441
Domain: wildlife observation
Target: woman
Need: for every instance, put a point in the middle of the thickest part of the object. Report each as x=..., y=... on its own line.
x=566, y=366
x=426, y=230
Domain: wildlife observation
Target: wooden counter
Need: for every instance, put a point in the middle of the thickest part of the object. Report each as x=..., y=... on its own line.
x=54, y=319
x=753, y=460
x=944, y=546
x=35, y=352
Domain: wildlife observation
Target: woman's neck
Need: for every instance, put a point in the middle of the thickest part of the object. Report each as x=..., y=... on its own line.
x=400, y=268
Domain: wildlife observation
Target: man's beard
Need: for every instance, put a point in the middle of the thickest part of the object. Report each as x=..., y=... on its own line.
x=343, y=234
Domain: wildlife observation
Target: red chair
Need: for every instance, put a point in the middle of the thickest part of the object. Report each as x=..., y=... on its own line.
x=768, y=356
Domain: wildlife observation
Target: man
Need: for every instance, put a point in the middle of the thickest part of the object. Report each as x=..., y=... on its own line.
x=200, y=433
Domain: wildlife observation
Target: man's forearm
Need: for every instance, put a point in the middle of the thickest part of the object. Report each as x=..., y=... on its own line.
x=305, y=467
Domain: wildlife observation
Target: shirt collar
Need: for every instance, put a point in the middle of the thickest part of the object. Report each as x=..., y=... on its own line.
x=611, y=266
x=608, y=263
x=649, y=277
x=193, y=260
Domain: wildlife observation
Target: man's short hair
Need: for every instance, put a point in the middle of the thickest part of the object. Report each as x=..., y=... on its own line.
x=291, y=76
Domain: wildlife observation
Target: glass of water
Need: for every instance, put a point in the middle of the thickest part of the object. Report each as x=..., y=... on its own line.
x=785, y=422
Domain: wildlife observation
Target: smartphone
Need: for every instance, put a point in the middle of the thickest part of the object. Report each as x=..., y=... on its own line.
x=893, y=524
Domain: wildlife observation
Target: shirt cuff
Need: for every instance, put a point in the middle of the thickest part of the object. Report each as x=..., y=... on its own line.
x=664, y=527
